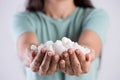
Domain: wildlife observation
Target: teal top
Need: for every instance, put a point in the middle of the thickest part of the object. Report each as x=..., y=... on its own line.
x=47, y=28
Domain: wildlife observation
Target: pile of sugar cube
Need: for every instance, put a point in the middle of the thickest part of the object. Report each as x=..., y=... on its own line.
x=60, y=46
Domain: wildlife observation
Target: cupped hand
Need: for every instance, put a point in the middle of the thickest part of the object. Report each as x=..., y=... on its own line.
x=45, y=62
x=75, y=62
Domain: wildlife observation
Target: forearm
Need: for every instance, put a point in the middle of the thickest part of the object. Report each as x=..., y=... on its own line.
x=91, y=40
x=24, y=43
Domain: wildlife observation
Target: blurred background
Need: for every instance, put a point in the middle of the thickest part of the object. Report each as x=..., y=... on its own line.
x=10, y=68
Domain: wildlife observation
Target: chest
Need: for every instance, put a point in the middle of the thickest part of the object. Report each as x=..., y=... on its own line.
x=55, y=30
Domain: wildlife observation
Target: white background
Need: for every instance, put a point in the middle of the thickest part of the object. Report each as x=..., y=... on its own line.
x=10, y=68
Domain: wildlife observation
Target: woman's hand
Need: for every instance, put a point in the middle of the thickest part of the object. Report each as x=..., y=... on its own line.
x=75, y=62
x=28, y=57
x=45, y=62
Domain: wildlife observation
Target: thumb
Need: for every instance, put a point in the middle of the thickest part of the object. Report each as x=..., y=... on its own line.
x=88, y=57
x=31, y=54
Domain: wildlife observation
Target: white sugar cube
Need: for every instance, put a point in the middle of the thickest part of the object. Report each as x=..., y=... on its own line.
x=65, y=40
x=58, y=42
x=86, y=50
x=58, y=47
x=75, y=46
x=67, y=43
x=61, y=45
x=40, y=47
x=49, y=45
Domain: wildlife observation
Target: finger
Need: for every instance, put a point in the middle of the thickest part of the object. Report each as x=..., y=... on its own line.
x=45, y=63
x=28, y=57
x=68, y=68
x=62, y=65
x=88, y=57
x=53, y=65
x=74, y=63
x=81, y=58
x=92, y=54
x=38, y=60
x=30, y=54
x=87, y=63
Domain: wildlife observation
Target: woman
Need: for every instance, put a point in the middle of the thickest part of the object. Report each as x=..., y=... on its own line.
x=46, y=20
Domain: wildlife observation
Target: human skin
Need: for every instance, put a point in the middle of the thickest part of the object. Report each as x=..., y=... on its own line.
x=70, y=62
x=75, y=62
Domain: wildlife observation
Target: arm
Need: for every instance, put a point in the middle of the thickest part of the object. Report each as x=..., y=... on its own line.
x=24, y=43
x=75, y=62
x=94, y=28
x=45, y=62
x=91, y=40
x=24, y=35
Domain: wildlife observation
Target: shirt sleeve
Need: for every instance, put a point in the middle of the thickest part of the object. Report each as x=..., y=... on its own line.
x=21, y=23
x=97, y=21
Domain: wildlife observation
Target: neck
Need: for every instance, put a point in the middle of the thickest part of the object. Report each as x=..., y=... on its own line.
x=59, y=8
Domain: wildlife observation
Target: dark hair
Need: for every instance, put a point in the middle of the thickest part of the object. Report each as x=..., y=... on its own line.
x=37, y=5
